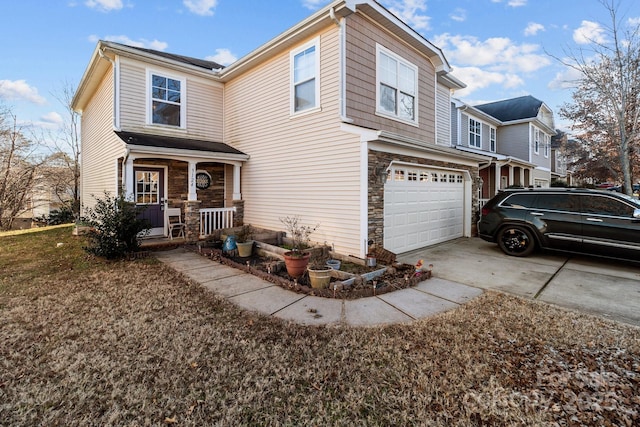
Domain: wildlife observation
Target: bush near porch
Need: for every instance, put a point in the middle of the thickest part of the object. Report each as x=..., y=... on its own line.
x=91, y=342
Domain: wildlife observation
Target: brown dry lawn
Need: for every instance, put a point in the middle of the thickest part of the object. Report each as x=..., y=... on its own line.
x=85, y=342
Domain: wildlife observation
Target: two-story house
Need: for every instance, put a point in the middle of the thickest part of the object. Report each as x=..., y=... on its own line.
x=342, y=120
x=515, y=132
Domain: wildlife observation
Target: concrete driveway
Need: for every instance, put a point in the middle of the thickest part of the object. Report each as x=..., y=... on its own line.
x=598, y=286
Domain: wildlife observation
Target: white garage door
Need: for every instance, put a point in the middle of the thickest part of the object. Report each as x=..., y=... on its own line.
x=422, y=207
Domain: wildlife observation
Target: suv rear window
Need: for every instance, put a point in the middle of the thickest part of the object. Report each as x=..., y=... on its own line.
x=603, y=205
x=519, y=201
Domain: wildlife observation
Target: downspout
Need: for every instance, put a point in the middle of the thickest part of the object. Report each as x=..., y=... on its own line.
x=115, y=87
x=124, y=170
x=342, y=67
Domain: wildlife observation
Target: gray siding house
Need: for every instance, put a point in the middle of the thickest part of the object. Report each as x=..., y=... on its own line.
x=515, y=132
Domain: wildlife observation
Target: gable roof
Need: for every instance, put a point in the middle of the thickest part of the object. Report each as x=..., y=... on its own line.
x=521, y=108
x=202, y=63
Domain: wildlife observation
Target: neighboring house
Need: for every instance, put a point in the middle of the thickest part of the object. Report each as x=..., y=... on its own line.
x=342, y=120
x=559, y=170
x=515, y=132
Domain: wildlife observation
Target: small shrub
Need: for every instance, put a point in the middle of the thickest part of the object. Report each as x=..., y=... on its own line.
x=116, y=227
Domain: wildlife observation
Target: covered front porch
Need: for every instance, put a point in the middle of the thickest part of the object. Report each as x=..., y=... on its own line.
x=202, y=178
x=504, y=172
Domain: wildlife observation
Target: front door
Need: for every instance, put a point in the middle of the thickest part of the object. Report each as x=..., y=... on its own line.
x=149, y=191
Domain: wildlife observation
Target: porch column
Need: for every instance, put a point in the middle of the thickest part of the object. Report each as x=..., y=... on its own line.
x=237, y=195
x=193, y=195
x=129, y=179
x=497, y=178
x=192, y=220
x=522, y=183
x=510, y=176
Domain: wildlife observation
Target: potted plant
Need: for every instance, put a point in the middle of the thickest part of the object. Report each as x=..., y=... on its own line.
x=244, y=241
x=297, y=259
x=320, y=276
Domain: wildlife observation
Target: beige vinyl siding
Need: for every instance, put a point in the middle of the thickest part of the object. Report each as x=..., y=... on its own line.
x=300, y=165
x=361, y=38
x=204, y=108
x=100, y=145
x=443, y=116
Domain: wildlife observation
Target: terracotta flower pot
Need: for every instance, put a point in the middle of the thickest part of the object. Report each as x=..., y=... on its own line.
x=296, y=263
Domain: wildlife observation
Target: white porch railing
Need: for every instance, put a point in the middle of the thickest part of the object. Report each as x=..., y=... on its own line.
x=481, y=203
x=212, y=219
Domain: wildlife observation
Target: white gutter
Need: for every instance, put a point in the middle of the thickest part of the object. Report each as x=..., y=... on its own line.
x=116, y=81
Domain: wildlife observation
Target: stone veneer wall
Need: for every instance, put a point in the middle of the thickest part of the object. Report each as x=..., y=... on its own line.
x=380, y=160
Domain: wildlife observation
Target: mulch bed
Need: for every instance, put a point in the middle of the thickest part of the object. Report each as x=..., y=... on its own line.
x=400, y=276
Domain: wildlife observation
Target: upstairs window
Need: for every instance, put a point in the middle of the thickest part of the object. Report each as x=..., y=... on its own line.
x=475, y=129
x=536, y=141
x=397, y=86
x=305, y=80
x=166, y=100
x=547, y=144
x=492, y=140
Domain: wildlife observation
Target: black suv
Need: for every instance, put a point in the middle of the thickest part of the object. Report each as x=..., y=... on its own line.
x=567, y=219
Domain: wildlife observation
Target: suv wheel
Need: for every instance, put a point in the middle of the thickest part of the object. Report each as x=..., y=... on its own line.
x=516, y=241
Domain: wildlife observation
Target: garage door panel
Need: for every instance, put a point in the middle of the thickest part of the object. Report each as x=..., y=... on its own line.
x=418, y=214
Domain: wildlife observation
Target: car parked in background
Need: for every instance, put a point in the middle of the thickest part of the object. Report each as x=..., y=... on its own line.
x=596, y=222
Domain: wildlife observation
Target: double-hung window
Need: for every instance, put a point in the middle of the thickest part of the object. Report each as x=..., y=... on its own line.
x=492, y=140
x=397, y=86
x=166, y=100
x=475, y=133
x=305, y=77
x=536, y=141
x=547, y=144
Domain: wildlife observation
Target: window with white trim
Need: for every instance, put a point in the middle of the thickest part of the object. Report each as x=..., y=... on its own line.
x=547, y=144
x=166, y=100
x=536, y=140
x=492, y=139
x=305, y=77
x=396, y=86
x=475, y=129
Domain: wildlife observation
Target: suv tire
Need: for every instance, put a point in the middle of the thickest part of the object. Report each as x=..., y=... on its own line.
x=515, y=240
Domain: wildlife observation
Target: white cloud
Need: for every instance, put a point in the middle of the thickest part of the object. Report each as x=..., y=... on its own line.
x=494, y=61
x=497, y=53
x=459, y=15
x=201, y=7
x=533, y=28
x=15, y=90
x=565, y=79
x=512, y=3
x=223, y=57
x=410, y=12
x=589, y=32
x=634, y=22
x=476, y=78
x=104, y=5
x=53, y=118
x=144, y=43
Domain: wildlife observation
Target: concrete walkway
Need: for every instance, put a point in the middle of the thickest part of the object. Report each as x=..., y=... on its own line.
x=251, y=293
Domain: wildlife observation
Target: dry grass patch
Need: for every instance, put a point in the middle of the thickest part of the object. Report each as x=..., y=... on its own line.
x=138, y=344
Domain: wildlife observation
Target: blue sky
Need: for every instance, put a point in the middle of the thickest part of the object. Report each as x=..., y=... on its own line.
x=497, y=47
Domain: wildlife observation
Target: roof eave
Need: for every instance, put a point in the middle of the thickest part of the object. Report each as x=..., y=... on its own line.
x=213, y=155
